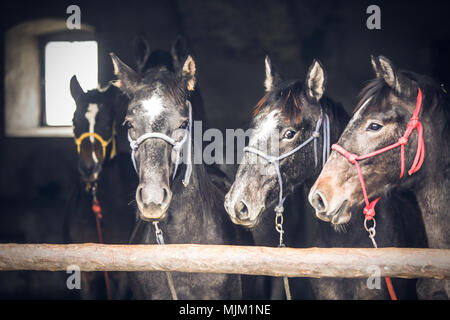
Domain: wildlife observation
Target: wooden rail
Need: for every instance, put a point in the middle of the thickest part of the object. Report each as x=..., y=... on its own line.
x=311, y=262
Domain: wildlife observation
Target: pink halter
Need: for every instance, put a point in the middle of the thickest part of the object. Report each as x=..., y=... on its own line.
x=414, y=123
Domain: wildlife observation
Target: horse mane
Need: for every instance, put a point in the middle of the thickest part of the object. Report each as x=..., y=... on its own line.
x=289, y=96
x=290, y=102
x=434, y=97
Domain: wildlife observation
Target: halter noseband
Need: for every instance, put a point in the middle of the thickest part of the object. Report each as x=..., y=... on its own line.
x=177, y=146
x=104, y=143
x=314, y=137
x=414, y=123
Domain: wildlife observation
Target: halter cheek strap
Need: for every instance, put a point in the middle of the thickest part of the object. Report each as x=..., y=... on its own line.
x=177, y=146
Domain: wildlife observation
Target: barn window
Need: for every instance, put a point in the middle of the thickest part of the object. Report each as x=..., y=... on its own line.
x=40, y=58
x=63, y=59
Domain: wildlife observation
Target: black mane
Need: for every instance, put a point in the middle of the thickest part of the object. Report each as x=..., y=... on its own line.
x=434, y=96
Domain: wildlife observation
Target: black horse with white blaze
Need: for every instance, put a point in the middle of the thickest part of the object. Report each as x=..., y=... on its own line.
x=106, y=176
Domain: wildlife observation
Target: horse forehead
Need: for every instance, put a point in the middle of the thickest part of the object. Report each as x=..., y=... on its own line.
x=359, y=114
x=266, y=127
x=91, y=114
x=151, y=107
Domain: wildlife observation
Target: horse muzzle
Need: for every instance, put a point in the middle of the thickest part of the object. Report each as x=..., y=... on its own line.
x=153, y=202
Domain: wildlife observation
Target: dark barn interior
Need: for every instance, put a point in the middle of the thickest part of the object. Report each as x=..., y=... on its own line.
x=229, y=40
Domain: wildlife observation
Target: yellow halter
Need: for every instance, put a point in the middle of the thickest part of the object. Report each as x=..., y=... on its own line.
x=102, y=141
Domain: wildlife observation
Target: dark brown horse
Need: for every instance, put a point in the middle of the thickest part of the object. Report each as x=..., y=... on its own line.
x=392, y=104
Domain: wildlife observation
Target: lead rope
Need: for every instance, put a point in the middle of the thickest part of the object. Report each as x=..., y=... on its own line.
x=160, y=241
x=279, y=208
x=97, y=210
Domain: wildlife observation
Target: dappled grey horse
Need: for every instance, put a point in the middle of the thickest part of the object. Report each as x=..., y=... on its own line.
x=176, y=196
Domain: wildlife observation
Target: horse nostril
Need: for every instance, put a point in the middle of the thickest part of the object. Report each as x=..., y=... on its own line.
x=318, y=202
x=165, y=196
x=241, y=210
x=139, y=195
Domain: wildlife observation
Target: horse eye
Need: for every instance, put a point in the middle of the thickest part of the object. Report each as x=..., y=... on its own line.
x=289, y=134
x=374, y=126
x=184, y=124
x=127, y=124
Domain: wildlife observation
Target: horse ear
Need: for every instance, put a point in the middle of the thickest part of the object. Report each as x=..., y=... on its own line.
x=188, y=73
x=376, y=68
x=75, y=89
x=272, y=77
x=385, y=69
x=315, y=81
x=179, y=51
x=127, y=77
x=141, y=52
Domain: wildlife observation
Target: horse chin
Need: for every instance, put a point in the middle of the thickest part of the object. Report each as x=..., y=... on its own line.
x=341, y=218
x=154, y=213
x=250, y=224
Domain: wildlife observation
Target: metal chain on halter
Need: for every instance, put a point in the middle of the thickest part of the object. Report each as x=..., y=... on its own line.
x=279, y=209
x=160, y=241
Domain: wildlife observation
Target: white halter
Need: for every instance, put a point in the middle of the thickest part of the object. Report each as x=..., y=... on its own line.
x=177, y=146
x=276, y=160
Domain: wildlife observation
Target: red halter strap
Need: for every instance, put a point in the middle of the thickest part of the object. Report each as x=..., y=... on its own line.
x=414, y=123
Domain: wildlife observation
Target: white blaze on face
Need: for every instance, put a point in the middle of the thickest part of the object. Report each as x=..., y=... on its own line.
x=90, y=115
x=153, y=107
x=360, y=140
x=357, y=115
x=265, y=138
x=266, y=128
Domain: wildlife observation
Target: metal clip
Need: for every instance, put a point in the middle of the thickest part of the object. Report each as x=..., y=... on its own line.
x=371, y=231
x=158, y=233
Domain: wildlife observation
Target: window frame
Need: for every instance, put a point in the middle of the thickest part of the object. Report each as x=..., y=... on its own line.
x=24, y=85
x=62, y=36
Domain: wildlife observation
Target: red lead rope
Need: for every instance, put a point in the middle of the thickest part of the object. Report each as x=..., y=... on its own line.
x=414, y=123
x=97, y=209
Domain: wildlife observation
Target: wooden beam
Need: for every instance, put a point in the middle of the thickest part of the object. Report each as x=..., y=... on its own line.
x=312, y=262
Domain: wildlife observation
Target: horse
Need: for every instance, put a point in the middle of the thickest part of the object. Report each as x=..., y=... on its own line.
x=105, y=186
x=401, y=121
x=159, y=119
x=147, y=59
x=292, y=115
